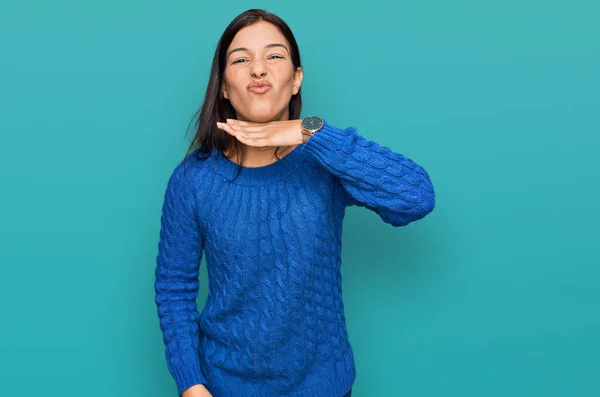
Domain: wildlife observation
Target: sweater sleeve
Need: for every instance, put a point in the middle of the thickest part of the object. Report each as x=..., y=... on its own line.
x=176, y=281
x=373, y=176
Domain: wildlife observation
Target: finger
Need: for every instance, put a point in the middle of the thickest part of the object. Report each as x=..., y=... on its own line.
x=245, y=123
x=228, y=129
x=249, y=132
x=253, y=141
x=241, y=132
x=250, y=140
x=248, y=127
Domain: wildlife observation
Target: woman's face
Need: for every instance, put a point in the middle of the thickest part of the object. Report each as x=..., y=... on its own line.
x=260, y=53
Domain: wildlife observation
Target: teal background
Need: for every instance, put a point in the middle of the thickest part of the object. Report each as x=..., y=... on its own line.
x=495, y=293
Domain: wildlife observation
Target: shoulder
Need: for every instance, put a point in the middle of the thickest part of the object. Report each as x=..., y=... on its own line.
x=189, y=173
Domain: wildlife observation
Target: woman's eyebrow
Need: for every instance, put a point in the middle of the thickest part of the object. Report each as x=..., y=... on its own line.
x=267, y=46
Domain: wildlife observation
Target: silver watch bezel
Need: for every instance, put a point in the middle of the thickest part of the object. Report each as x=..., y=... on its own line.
x=312, y=131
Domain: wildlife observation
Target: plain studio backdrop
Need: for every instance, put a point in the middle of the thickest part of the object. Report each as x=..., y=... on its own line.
x=495, y=293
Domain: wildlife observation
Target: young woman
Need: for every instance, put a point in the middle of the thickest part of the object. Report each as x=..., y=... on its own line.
x=263, y=195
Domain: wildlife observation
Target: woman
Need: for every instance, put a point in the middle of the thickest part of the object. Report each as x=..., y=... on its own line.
x=264, y=195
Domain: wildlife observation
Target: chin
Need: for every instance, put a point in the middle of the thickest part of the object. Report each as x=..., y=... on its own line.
x=263, y=119
x=262, y=116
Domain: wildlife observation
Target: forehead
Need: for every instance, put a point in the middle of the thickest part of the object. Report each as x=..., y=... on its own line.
x=257, y=36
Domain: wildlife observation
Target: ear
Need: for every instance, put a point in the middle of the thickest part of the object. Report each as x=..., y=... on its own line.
x=224, y=89
x=298, y=75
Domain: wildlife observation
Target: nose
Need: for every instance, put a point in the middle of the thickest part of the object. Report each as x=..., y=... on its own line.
x=258, y=69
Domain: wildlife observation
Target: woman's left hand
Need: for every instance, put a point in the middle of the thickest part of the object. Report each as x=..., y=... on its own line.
x=265, y=135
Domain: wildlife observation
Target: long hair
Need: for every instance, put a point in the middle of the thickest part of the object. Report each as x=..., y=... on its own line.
x=216, y=107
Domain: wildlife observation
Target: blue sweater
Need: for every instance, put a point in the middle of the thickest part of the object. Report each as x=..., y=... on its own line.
x=273, y=323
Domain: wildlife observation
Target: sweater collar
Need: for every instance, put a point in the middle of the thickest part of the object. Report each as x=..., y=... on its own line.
x=280, y=169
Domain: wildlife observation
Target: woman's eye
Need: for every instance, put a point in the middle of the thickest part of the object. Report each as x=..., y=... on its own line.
x=243, y=60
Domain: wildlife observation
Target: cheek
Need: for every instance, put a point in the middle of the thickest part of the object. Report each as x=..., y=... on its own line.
x=286, y=73
x=233, y=82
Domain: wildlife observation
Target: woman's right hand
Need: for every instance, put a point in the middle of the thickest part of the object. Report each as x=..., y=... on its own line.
x=196, y=391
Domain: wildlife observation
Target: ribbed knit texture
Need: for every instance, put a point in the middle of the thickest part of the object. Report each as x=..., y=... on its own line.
x=273, y=323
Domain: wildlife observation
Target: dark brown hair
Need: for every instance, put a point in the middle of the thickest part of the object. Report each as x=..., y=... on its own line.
x=216, y=107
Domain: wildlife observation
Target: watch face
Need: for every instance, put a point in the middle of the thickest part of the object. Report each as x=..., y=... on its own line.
x=312, y=123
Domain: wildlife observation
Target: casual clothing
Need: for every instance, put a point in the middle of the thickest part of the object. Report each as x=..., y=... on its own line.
x=274, y=322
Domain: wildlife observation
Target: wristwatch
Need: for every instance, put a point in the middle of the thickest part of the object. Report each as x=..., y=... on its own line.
x=312, y=124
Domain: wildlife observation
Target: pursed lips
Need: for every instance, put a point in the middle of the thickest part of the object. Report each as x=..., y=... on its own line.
x=259, y=87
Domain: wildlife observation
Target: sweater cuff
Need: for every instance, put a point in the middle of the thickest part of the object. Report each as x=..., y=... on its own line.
x=328, y=142
x=187, y=375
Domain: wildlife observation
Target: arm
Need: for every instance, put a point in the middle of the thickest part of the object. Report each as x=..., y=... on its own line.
x=397, y=189
x=176, y=280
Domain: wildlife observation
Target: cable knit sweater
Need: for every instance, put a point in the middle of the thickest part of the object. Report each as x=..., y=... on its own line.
x=273, y=323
